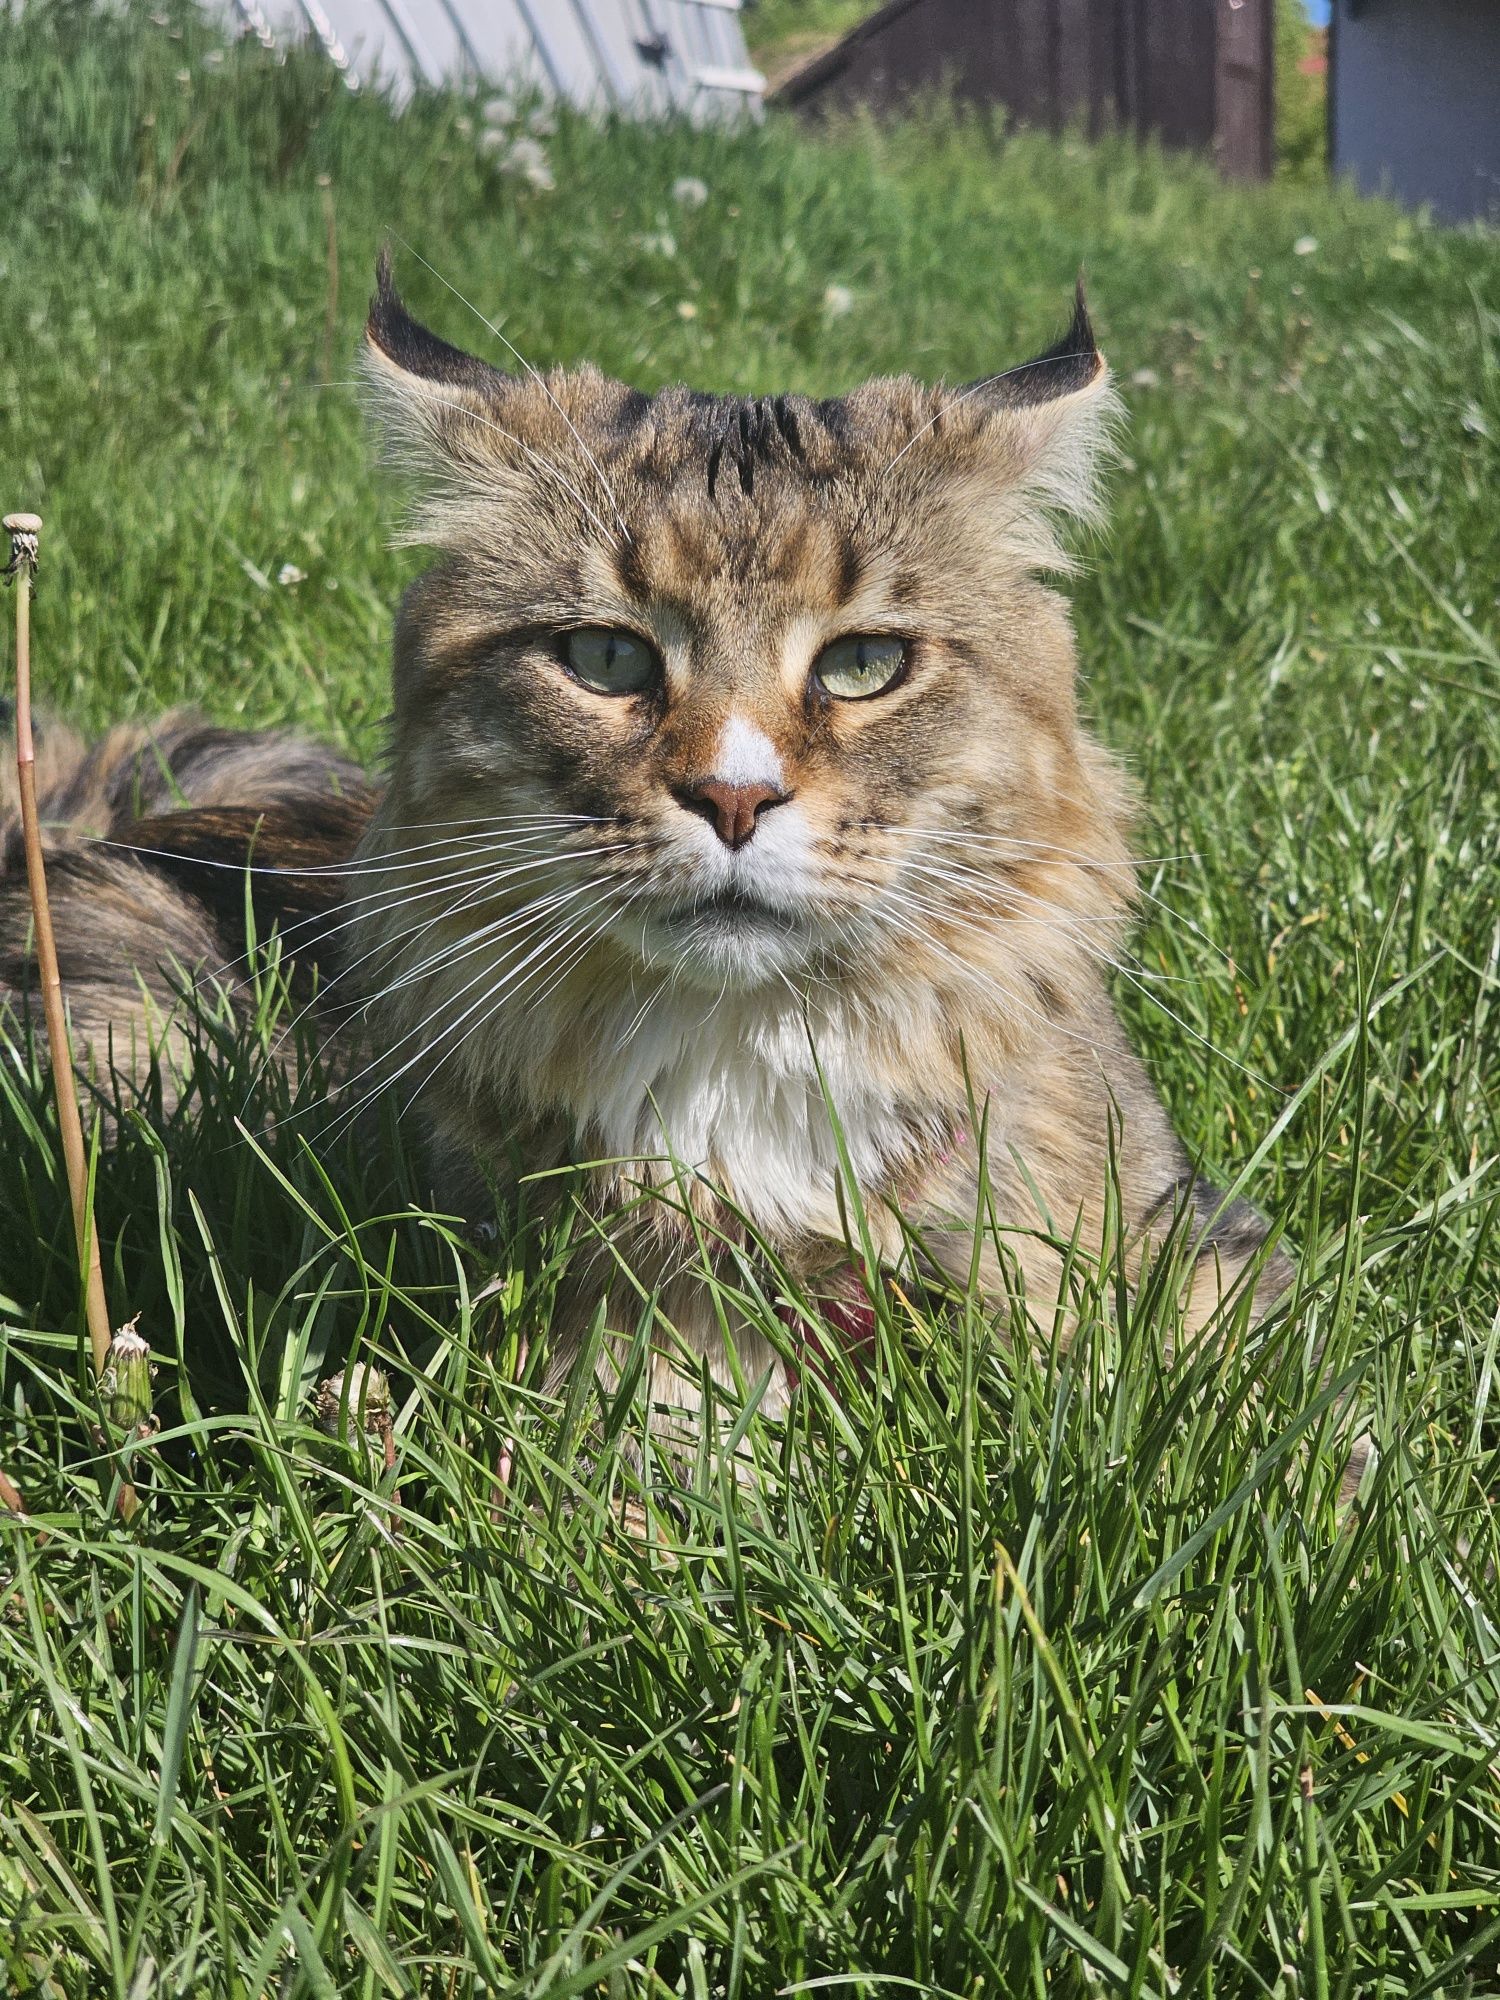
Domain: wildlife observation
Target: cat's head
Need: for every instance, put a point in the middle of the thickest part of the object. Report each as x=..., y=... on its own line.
x=785, y=669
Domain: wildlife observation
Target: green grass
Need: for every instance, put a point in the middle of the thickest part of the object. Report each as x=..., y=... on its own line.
x=782, y=33
x=1001, y=1684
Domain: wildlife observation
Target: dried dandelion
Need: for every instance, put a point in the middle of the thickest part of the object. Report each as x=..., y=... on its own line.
x=359, y=1404
x=25, y=532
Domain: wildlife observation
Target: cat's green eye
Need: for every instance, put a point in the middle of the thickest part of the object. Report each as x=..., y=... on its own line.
x=609, y=662
x=859, y=666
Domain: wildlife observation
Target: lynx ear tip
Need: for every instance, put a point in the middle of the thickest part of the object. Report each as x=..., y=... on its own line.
x=1069, y=367
x=1081, y=338
x=386, y=310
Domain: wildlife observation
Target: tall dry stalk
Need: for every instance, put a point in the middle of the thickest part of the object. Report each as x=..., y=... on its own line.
x=25, y=541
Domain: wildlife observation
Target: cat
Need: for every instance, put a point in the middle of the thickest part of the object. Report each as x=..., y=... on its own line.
x=741, y=837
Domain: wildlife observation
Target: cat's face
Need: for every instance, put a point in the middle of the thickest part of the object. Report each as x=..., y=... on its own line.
x=777, y=675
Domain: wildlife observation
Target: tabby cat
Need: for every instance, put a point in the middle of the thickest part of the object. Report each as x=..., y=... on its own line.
x=736, y=781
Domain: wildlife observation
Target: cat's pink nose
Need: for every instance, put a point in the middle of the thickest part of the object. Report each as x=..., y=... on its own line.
x=732, y=810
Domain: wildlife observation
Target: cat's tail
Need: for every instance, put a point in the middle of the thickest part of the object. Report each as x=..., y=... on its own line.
x=148, y=833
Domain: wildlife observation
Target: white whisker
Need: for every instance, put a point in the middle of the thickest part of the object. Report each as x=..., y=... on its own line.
x=519, y=918
x=952, y=402
x=965, y=969
x=978, y=976
x=473, y=940
x=508, y=994
x=1055, y=917
x=545, y=950
x=484, y=881
x=503, y=819
x=1046, y=850
x=314, y=871
x=395, y=895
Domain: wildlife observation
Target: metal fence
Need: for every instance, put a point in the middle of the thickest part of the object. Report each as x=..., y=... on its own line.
x=642, y=57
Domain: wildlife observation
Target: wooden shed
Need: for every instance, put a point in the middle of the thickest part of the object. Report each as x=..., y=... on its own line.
x=1414, y=101
x=1194, y=73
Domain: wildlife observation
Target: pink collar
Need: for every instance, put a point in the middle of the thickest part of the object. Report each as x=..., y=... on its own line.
x=844, y=1303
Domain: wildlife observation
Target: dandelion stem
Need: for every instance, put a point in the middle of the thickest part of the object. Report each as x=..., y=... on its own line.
x=24, y=531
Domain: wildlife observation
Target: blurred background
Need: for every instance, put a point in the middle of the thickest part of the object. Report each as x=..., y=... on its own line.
x=1400, y=94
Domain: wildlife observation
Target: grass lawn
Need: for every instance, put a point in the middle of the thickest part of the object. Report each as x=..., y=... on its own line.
x=1024, y=1673
x=784, y=34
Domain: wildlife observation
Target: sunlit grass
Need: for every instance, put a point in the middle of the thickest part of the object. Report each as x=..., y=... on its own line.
x=1020, y=1671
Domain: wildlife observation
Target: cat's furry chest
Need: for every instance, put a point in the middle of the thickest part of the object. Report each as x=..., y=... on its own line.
x=735, y=1094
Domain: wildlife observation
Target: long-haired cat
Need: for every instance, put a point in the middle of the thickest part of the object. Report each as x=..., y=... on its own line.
x=740, y=838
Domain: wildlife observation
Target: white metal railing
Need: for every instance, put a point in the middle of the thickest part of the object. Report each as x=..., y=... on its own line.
x=641, y=57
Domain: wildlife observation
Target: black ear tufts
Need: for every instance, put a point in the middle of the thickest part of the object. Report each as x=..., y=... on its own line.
x=1070, y=364
x=403, y=340
x=1080, y=335
x=386, y=299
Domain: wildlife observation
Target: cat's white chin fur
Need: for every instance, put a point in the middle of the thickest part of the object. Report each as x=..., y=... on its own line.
x=734, y=1092
x=742, y=918
x=717, y=947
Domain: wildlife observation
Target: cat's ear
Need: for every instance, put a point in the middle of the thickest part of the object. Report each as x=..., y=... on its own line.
x=437, y=408
x=1047, y=430
x=484, y=445
x=1072, y=368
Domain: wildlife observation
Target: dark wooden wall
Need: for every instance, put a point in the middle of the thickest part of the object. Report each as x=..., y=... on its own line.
x=1196, y=73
